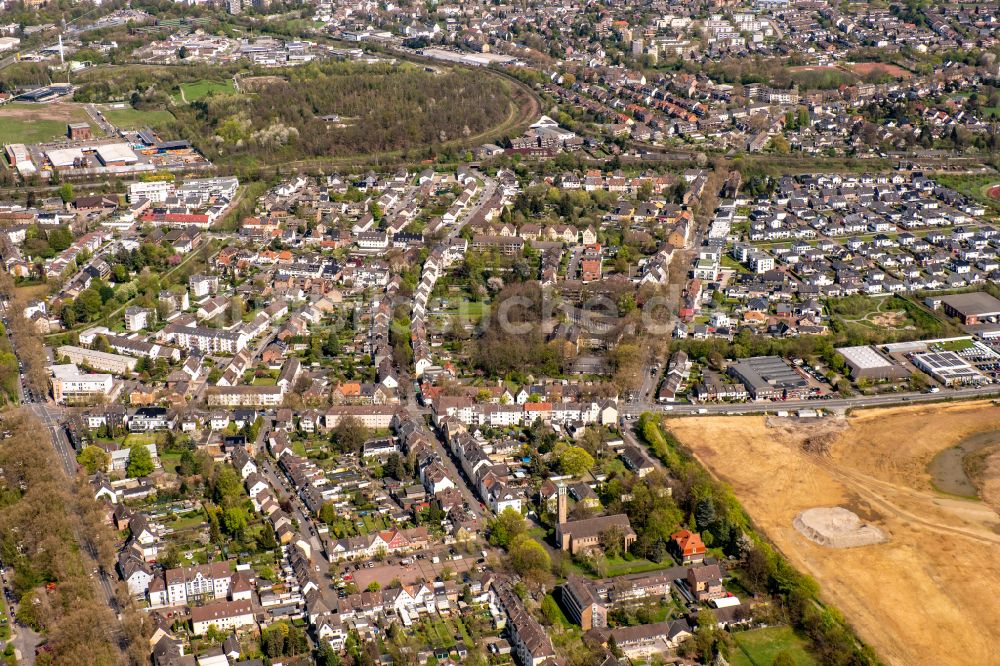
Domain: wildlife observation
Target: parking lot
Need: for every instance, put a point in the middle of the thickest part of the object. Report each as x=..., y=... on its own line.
x=422, y=569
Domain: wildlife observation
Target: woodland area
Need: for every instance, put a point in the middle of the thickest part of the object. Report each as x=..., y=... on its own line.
x=380, y=108
x=44, y=521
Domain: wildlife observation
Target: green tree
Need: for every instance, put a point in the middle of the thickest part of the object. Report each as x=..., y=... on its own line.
x=575, y=461
x=528, y=557
x=784, y=658
x=93, y=459
x=349, y=434
x=235, y=520
x=227, y=485
x=140, y=461
x=374, y=586
x=506, y=527
x=550, y=610
x=66, y=192
x=327, y=513
x=88, y=304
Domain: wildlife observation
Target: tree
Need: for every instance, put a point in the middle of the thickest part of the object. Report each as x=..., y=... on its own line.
x=93, y=459
x=349, y=434
x=784, y=658
x=613, y=541
x=227, y=486
x=140, y=461
x=506, y=527
x=235, y=520
x=266, y=540
x=528, y=557
x=374, y=586
x=393, y=467
x=327, y=513
x=704, y=513
x=66, y=192
x=88, y=304
x=550, y=610
x=575, y=461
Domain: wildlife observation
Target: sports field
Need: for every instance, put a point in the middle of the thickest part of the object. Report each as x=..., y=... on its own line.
x=129, y=118
x=25, y=122
x=192, y=92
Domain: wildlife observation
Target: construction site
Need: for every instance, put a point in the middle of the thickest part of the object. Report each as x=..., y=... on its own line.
x=850, y=501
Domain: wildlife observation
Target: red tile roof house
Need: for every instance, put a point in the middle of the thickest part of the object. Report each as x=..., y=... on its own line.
x=687, y=545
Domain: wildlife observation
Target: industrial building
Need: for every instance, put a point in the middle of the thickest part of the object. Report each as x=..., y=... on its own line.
x=975, y=308
x=865, y=362
x=116, y=154
x=948, y=368
x=767, y=377
x=79, y=132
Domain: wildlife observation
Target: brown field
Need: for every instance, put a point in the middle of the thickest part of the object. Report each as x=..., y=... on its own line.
x=931, y=594
x=862, y=68
x=66, y=112
x=994, y=192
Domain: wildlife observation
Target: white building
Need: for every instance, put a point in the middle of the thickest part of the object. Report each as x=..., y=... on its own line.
x=155, y=191
x=137, y=319
x=71, y=385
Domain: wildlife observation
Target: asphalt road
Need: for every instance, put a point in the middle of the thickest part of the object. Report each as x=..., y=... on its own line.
x=835, y=404
x=307, y=529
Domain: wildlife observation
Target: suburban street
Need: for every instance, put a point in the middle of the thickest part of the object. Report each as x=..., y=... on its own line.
x=307, y=531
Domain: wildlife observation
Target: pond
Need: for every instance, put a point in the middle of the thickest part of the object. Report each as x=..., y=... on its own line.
x=947, y=469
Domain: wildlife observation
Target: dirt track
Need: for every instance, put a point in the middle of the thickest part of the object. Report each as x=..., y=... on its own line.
x=936, y=584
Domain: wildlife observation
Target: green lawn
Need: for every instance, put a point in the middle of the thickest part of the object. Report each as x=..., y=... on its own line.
x=140, y=438
x=760, y=647
x=170, y=461
x=129, y=118
x=955, y=345
x=618, y=566
x=195, y=91
x=18, y=127
x=264, y=381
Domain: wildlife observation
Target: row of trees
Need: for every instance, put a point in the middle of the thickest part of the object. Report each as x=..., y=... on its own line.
x=26, y=340
x=45, y=527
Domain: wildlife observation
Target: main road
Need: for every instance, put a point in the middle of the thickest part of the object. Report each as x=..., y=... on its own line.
x=633, y=409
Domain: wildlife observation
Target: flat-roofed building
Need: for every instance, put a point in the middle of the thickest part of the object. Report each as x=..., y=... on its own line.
x=116, y=154
x=156, y=191
x=865, y=362
x=767, y=377
x=948, y=368
x=974, y=308
x=79, y=132
x=98, y=360
x=70, y=385
x=64, y=158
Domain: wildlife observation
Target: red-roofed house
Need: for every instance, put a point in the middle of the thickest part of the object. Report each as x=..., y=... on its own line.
x=688, y=546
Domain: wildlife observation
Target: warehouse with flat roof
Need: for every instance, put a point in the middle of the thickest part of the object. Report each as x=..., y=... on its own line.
x=865, y=362
x=116, y=154
x=767, y=377
x=975, y=308
x=948, y=368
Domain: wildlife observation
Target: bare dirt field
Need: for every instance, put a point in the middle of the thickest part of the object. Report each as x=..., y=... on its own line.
x=896, y=71
x=931, y=593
